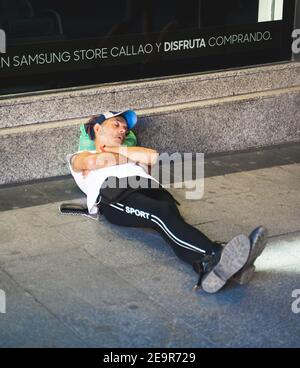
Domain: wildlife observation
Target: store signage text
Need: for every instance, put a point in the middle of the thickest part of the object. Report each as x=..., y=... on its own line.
x=2, y=42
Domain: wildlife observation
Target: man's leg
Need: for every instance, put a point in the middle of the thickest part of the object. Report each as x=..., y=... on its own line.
x=152, y=208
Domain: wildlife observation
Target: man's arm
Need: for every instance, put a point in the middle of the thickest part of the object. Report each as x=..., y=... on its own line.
x=141, y=155
x=87, y=161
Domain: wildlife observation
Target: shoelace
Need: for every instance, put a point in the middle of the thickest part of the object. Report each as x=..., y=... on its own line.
x=202, y=267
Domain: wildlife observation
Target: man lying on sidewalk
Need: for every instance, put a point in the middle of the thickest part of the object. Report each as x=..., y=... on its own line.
x=101, y=175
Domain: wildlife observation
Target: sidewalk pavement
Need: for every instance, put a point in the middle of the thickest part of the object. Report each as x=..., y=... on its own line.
x=75, y=282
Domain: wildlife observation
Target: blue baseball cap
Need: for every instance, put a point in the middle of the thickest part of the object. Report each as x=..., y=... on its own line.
x=129, y=115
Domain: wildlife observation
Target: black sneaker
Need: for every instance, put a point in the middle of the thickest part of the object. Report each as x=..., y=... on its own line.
x=258, y=240
x=76, y=209
x=233, y=257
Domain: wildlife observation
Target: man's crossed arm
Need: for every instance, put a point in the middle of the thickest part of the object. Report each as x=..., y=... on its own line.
x=114, y=155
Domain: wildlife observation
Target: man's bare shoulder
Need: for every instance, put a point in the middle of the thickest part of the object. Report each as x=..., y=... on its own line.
x=76, y=158
x=81, y=154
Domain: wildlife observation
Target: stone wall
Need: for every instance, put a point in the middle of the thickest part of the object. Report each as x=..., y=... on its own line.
x=212, y=112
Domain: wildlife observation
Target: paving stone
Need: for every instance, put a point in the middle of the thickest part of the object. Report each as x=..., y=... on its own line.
x=25, y=234
x=293, y=169
x=59, y=190
x=28, y=323
x=236, y=316
x=21, y=196
x=117, y=246
x=103, y=309
x=71, y=281
x=284, y=335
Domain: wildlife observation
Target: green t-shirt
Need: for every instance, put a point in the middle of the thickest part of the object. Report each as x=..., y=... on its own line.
x=86, y=144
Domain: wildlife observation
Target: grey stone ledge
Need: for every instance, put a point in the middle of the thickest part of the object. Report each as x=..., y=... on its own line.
x=236, y=124
x=75, y=103
x=165, y=110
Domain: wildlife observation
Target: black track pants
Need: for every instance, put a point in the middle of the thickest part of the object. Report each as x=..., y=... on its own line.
x=152, y=208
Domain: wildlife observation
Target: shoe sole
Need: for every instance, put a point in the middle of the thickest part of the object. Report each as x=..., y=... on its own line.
x=247, y=272
x=234, y=256
x=77, y=212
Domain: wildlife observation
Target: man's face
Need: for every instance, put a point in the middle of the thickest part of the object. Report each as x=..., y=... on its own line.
x=113, y=131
